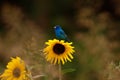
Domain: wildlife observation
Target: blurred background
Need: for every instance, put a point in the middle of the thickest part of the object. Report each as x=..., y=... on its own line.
x=92, y=25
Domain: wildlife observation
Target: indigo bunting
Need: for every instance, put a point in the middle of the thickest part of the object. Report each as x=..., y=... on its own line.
x=60, y=34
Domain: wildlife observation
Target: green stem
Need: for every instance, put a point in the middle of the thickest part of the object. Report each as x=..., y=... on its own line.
x=60, y=72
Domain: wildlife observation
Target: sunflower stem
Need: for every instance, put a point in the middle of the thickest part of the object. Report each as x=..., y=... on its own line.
x=60, y=71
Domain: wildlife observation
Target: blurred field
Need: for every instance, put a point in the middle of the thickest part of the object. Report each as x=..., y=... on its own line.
x=92, y=25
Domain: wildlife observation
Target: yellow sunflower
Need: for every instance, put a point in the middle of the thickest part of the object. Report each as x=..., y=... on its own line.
x=16, y=70
x=58, y=51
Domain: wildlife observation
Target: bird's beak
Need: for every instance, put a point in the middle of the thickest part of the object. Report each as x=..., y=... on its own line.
x=55, y=27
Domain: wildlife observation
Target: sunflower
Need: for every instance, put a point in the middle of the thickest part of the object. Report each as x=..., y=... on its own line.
x=16, y=70
x=58, y=51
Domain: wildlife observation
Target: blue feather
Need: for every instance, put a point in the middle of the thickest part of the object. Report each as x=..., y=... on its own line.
x=60, y=34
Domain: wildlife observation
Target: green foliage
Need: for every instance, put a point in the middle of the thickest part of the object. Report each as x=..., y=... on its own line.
x=65, y=71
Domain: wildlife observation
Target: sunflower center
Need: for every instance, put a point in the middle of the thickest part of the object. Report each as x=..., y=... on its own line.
x=16, y=72
x=59, y=48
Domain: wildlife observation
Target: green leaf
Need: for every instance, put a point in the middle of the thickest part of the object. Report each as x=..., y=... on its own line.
x=68, y=70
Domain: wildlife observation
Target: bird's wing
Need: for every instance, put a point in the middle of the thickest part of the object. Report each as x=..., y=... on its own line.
x=63, y=33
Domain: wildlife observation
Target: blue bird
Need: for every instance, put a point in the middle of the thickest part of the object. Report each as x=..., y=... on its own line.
x=60, y=34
